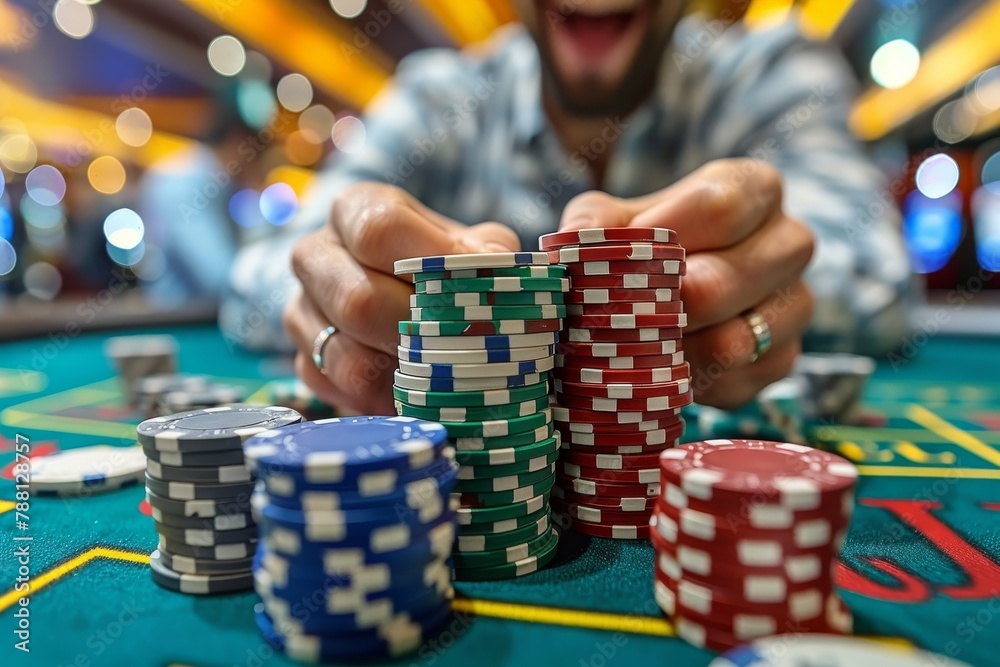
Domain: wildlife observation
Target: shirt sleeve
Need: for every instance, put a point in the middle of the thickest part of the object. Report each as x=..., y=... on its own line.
x=261, y=279
x=789, y=105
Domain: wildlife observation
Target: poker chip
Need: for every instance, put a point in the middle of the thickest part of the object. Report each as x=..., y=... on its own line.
x=472, y=299
x=634, y=443
x=642, y=504
x=574, y=335
x=625, y=405
x=198, y=584
x=507, y=482
x=520, y=568
x=150, y=392
x=778, y=651
x=516, y=440
x=475, y=543
x=224, y=474
x=499, y=427
x=585, y=415
x=488, y=342
x=602, y=236
x=605, y=515
x=670, y=420
x=608, y=489
x=514, y=271
x=626, y=321
x=747, y=534
x=610, y=296
x=486, y=527
x=486, y=260
x=480, y=517
x=630, y=308
x=626, y=390
x=624, y=281
x=475, y=356
x=508, y=497
x=649, y=361
x=504, y=556
x=507, y=455
x=522, y=409
x=223, y=552
x=438, y=385
x=188, y=565
x=621, y=266
x=195, y=459
x=199, y=508
x=473, y=371
x=613, y=376
x=496, y=313
x=471, y=399
x=196, y=490
x=213, y=429
x=609, y=350
x=477, y=327
x=495, y=471
x=86, y=470
x=611, y=461
x=617, y=476
x=499, y=284
x=612, y=531
x=206, y=537
x=637, y=251
x=208, y=397
x=221, y=523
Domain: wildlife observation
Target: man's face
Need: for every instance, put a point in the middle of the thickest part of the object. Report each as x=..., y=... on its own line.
x=600, y=56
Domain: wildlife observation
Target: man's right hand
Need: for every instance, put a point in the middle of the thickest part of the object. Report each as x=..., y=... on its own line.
x=347, y=281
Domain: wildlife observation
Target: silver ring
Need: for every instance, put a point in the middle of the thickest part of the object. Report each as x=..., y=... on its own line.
x=319, y=345
x=761, y=332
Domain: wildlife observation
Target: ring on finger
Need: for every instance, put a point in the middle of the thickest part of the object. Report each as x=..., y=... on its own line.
x=761, y=333
x=319, y=345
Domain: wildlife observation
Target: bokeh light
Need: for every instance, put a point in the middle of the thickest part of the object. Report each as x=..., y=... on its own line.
x=932, y=229
x=257, y=67
x=42, y=281
x=124, y=229
x=3, y=183
x=991, y=173
x=134, y=126
x=986, y=222
x=348, y=9
x=73, y=18
x=151, y=266
x=106, y=175
x=41, y=216
x=316, y=123
x=46, y=185
x=278, y=203
x=244, y=208
x=937, y=176
x=6, y=224
x=954, y=122
x=301, y=151
x=986, y=90
x=226, y=55
x=255, y=102
x=18, y=153
x=349, y=134
x=295, y=93
x=8, y=257
x=126, y=256
x=895, y=64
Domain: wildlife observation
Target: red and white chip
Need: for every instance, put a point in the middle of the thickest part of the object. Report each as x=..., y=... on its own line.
x=601, y=236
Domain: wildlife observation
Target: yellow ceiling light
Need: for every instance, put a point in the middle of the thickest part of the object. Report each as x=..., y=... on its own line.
x=83, y=133
x=762, y=14
x=819, y=19
x=946, y=67
x=341, y=62
x=466, y=22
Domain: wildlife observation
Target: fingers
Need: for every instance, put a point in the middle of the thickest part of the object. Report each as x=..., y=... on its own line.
x=720, y=285
x=720, y=355
x=595, y=209
x=362, y=303
x=718, y=205
x=380, y=224
x=354, y=375
x=493, y=237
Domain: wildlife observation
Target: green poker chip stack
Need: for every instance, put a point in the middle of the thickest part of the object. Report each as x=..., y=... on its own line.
x=474, y=356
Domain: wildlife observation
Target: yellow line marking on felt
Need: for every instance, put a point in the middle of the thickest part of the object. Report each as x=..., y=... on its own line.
x=6, y=506
x=916, y=454
x=50, y=576
x=574, y=618
x=963, y=439
x=905, y=471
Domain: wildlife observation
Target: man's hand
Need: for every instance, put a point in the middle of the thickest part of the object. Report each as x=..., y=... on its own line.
x=346, y=273
x=743, y=253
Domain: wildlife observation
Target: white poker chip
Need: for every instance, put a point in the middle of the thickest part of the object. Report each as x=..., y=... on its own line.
x=87, y=469
x=828, y=650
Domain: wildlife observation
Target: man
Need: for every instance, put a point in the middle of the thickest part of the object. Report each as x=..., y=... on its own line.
x=600, y=113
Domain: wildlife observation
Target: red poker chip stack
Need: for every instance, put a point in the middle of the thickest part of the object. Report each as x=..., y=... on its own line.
x=746, y=535
x=620, y=376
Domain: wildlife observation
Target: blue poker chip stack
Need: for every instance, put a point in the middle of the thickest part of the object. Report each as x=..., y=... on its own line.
x=356, y=530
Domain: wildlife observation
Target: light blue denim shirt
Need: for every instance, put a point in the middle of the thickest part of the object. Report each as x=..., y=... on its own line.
x=466, y=134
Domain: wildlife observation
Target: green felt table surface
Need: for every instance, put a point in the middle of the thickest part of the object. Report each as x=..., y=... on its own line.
x=920, y=562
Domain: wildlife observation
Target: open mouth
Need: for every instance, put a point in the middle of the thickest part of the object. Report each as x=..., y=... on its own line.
x=595, y=35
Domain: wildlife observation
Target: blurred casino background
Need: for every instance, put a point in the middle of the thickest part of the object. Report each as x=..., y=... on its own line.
x=112, y=109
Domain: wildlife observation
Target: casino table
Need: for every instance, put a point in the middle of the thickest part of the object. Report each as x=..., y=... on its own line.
x=920, y=564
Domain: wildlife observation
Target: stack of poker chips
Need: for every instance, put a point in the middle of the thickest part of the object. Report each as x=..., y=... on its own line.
x=171, y=393
x=746, y=535
x=356, y=527
x=620, y=376
x=136, y=357
x=198, y=488
x=475, y=356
